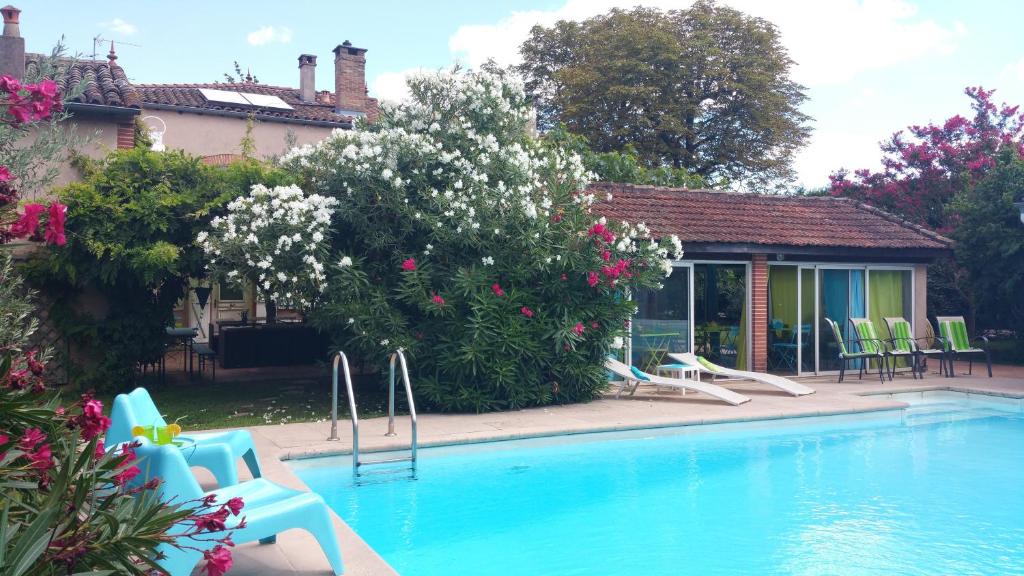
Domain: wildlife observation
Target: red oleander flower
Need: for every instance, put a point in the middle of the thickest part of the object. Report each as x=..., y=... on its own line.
x=125, y=476
x=592, y=279
x=578, y=329
x=34, y=365
x=235, y=505
x=218, y=561
x=526, y=312
x=18, y=379
x=409, y=265
x=41, y=458
x=595, y=325
x=28, y=222
x=5, y=174
x=92, y=420
x=496, y=288
x=55, y=224
x=212, y=522
x=437, y=299
x=606, y=255
x=556, y=218
x=30, y=438
x=564, y=277
x=101, y=449
x=9, y=84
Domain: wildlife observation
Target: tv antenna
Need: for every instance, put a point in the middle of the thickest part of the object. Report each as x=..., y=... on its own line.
x=98, y=40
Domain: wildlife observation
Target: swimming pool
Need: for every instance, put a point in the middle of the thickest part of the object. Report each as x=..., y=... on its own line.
x=935, y=489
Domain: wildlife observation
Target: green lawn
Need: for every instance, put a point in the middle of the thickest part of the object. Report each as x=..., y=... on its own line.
x=203, y=404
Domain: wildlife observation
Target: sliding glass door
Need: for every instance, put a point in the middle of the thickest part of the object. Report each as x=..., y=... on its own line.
x=720, y=313
x=792, y=331
x=662, y=323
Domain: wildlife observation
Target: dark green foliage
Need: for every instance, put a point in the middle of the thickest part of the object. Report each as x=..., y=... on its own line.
x=990, y=243
x=706, y=88
x=131, y=250
x=622, y=165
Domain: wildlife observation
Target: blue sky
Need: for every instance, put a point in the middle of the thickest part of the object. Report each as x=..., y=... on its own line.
x=871, y=66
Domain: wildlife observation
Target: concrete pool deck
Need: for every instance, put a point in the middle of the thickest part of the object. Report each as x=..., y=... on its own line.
x=297, y=553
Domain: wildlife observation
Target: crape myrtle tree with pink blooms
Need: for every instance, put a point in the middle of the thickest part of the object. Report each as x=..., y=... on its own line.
x=468, y=243
x=69, y=504
x=925, y=167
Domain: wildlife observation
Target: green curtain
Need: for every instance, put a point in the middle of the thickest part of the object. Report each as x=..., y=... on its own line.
x=885, y=293
x=807, y=299
x=782, y=292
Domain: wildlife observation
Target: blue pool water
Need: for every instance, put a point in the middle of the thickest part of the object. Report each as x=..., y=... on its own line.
x=935, y=489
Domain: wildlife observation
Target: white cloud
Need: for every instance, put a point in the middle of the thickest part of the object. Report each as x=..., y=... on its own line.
x=120, y=26
x=831, y=40
x=1014, y=71
x=268, y=35
x=390, y=86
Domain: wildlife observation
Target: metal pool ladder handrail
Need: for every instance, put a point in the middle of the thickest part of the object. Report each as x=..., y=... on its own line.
x=396, y=357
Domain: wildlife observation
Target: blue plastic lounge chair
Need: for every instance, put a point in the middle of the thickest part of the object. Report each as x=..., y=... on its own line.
x=215, y=451
x=269, y=508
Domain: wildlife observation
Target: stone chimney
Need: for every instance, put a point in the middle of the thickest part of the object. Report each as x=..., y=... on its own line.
x=12, y=45
x=307, y=78
x=350, y=80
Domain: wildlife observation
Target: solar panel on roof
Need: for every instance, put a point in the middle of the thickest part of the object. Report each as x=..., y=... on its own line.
x=265, y=101
x=224, y=97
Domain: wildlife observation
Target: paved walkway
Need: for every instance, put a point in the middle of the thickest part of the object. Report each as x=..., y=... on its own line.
x=296, y=552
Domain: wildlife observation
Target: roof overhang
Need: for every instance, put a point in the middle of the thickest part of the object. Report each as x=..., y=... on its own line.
x=238, y=114
x=840, y=253
x=101, y=110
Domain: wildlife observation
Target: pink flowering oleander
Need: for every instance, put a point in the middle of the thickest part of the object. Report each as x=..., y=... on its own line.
x=409, y=265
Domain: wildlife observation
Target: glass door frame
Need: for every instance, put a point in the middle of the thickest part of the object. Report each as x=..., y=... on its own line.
x=818, y=267
x=688, y=266
x=748, y=303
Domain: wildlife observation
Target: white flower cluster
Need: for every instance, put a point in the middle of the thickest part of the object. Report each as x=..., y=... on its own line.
x=275, y=237
x=439, y=156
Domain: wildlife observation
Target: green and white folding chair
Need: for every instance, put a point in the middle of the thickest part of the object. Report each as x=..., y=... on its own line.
x=953, y=330
x=901, y=336
x=869, y=341
x=845, y=356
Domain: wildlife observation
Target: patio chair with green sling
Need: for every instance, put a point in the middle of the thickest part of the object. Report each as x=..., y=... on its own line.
x=869, y=341
x=902, y=338
x=845, y=357
x=953, y=330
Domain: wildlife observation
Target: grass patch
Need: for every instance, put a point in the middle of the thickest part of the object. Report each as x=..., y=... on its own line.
x=202, y=405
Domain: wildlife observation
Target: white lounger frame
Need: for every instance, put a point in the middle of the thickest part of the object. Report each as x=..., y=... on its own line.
x=784, y=384
x=623, y=371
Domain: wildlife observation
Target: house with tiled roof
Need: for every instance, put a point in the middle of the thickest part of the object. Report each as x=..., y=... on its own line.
x=206, y=119
x=761, y=273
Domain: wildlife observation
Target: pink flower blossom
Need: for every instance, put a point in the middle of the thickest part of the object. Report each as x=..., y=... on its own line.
x=41, y=457
x=28, y=222
x=212, y=522
x=437, y=299
x=5, y=174
x=92, y=420
x=409, y=265
x=496, y=288
x=101, y=449
x=30, y=438
x=218, y=561
x=235, y=505
x=606, y=255
x=578, y=329
x=55, y=224
x=125, y=476
x=592, y=279
x=526, y=312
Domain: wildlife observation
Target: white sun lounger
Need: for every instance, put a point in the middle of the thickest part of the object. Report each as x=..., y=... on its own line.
x=700, y=363
x=627, y=374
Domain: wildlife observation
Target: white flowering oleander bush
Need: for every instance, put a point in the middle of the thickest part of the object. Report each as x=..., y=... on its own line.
x=473, y=246
x=276, y=238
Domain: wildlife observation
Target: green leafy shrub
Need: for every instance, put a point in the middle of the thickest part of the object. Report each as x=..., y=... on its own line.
x=131, y=229
x=472, y=246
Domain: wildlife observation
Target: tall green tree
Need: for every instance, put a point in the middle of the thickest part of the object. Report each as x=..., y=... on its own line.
x=706, y=89
x=990, y=242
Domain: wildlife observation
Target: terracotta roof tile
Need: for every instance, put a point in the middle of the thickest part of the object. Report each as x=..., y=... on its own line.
x=101, y=83
x=187, y=96
x=703, y=216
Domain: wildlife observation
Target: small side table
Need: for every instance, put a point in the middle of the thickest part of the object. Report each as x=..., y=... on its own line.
x=678, y=371
x=184, y=336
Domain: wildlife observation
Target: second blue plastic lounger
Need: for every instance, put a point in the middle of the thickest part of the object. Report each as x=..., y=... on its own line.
x=269, y=508
x=218, y=452
x=630, y=374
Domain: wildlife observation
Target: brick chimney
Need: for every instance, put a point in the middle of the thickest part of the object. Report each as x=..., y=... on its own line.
x=307, y=78
x=12, y=45
x=350, y=79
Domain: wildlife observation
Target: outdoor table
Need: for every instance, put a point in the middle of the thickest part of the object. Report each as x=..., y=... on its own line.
x=184, y=338
x=659, y=347
x=278, y=344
